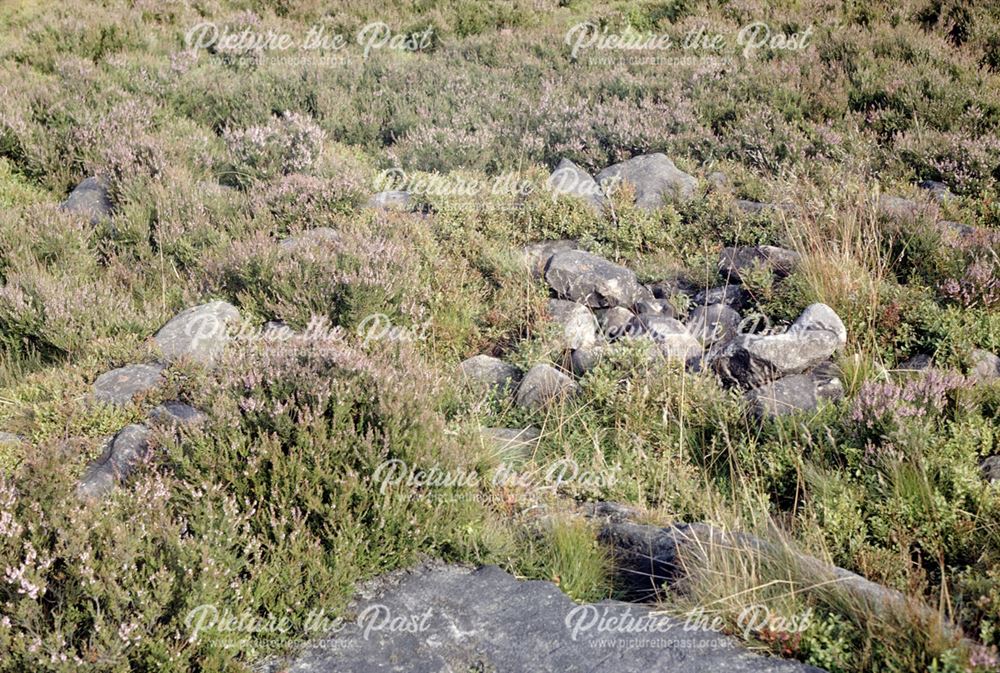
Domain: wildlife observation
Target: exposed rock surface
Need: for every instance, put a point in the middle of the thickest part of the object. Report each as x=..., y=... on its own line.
x=673, y=338
x=577, y=325
x=176, y=413
x=89, y=198
x=751, y=360
x=582, y=360
x=990, y=468
x=938, y=190
x=120, y=386
x=591, y=280
x=732, y=296
x=121, y=454
x=713, y=323
x=512, y=444
x=737, y=261
x=537, y=255
x=485, y=373
x=985, y=366
x=390, y=200
x=654, y=306
x=898, y=207
x=794, y=393
x=544, y=384
x=820, y=317
x=656, y=179
x=571, y=180
x=615, y=322
x=310, y=238
x=486, y=620
x=199, y=333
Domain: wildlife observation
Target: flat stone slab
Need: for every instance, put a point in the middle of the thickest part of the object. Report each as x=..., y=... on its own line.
x=175, y=413
x=447, y=618
x=199, y=333
x=120, y=386
x=89, y=198
x=121, y=455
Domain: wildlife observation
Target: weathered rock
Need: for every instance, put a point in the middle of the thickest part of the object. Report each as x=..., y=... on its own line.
x=486, y=373
x=577, y=325
x=511, y=444
x=734, y=262
x=820, y=317
x=751, y=361
x=733, y=296
x=592, y=280
x=674, y=340
x=713, y=323
x=990, y=468
x=794, y=393
x=582, y=360
x=537, y=255
x=938, y=190
x=898, y=208
x=120, y=386
x=920, y=362
x=486, y=620
x=655, y=306
x=90, y=198
x=176, y=414
x=199, y=333
x=10, y=439
x=985, y=366
x=571, y=180
x=310, y=238
x=717, y=180
x=122, y=454
x=390, y=200
x=544, y=384
x=752, y=207
x=656, y=179
x=615, y=322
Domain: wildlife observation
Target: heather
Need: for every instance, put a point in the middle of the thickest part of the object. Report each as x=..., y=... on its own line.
x=214, y=159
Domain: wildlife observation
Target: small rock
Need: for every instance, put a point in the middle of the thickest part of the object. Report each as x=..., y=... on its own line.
x=571, y=180
x=199, y=333
x=794, y=393
x=673, y=338
x=9, y=439
x=918, y=363
x=578, y=326
x=751, y=360
x=736, y=261
x=985, y=366
x=120, y=386
x=820, y=317
x=717, y=180
x=486, y=373
x=90, y=198
x=390, y=200
x=121, y=454
x=512, y=444
x=898, y=208
x=615, y=322
x=310, y=238
x=656, y=179
x=537, y=255
x=939, y=190
x=542, y=385
x=714, y=323
x=990, y=468
x=654, y=307
x=176, y=413
x=582, y=360
x=733, y=296
x=752, y=207
x=592, y=280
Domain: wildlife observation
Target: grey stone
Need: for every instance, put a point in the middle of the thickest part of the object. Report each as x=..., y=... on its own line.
x=592, y=280
x=199, y=333
x=544, y=384
x=571, y=180
x=390, y=200
x=990, y=468
x=655, y=307
x=938, y=190
x=615, y=322
x=121, y=455
x=898, y=208
x=486, y=620
x=10, y=439
x=734, y=262
x=582, y=360
x=175, y=414
x=512, y=444
x=713, y=323
x=820, y=317
x=752, y=360
x=120, y=386
x=310, y=238
x=717, y=180
x=674, y=340
x=918, y=363
x=656, y=179
x=537, y=255
x=486, y=373
x=733, y=296
x=794, y=393
x=577, y=325
x=985, y=366
x=90, y=198
x=751, y=207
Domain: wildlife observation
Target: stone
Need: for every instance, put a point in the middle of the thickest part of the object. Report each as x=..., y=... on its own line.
x=390, y=200
x=199, y=333
x=752, y=207
x=458, y=619
x=656, y=179
x=120, y=386
x=582, y=360
x=511, y=444
x=733, y=296
x=577, y=325
x=571, y=180
x=310, y=238
x=674, y=340
x=593, y=281
x=733, y=262
x=751, y=360
x=537, y=255
x=121, y=455
x=717, y=180
x=990, y=469
x=90, y=198
x=820, y=317
x=175, y=413
x=713, y=323
x=655, y=307
x=10, y=439
x=794, y=393
x=898, y=208
x=938, y=190
x=920, y=362
x=985, y=366
x=614, y=322
x=542, y=385
x=486, y=373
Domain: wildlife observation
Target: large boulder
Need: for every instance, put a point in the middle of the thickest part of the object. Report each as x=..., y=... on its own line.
x=199, y=333
x=544, y=384
x=121, y=455
x=591, y=280
x=656, y=179
x=120, y=386
x=536, y=256
x=577, y=325
x=91, y=199
x=571, y=180
x=436, y=619
x=713, y=323
x=751, y=360
x=486, y=373
x=735, y=262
